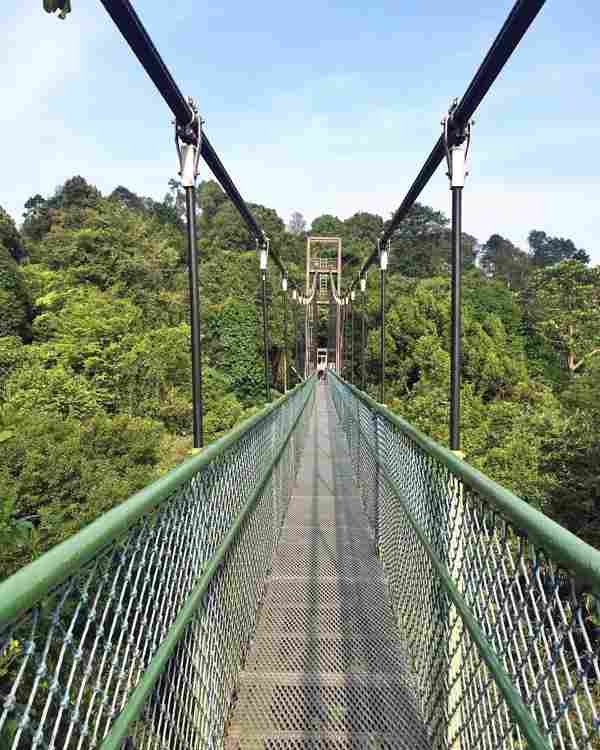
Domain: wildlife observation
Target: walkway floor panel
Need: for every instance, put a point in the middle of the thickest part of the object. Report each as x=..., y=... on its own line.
x=326, y=668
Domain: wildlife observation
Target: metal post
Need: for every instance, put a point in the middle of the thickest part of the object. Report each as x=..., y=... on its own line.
x=352, y=339
x=342, y=336
x=382, y=336
x=456, y=143
x=338, y=344
x=265, y=336
x=315, y=338
x=263, y=257
x=363, y=332
x=337, y=340
x=190, y=207
x=188, y=152
x=383, y=261
x=284, y=285
x=455, y=358
x=363, y=344
x=298, y=330
x=306, y=339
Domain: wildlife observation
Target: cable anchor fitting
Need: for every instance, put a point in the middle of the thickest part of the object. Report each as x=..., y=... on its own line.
x=456, y=145
x=188, y=142
x=263, y=252
x=384, y=254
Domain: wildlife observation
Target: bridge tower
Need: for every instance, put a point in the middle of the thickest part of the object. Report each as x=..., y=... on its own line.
x=323, y=261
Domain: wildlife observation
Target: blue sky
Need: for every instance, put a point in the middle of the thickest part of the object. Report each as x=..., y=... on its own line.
x=319, y=108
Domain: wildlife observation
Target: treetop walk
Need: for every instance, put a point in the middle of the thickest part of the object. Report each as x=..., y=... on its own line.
x=324, y=575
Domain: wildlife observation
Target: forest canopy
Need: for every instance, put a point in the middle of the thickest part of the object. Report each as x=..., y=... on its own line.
x=95, y=349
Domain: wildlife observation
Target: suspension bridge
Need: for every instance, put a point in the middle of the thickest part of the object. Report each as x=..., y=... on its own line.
x=324, y=575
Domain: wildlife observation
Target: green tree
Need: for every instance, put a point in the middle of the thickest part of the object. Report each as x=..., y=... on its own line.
x=57, y=390
x=75, y=193
x=363, y=226
x=10, y=237
x=127, y=198
x=360, y=234
x=15, y=302
x=64, y=472
x=11, y=356
x=211, y=198
x=484, y=297
x=36, y=218
x=112, y=247
x=233, y=326
x=297, y=223
x=421, y=244
x=562, y=302
x=546, y=251
x=502, y=260
x=327, y=225
x=572, y=459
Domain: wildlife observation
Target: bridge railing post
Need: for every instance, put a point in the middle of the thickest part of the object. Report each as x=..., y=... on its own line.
x=457, y=661
x=284, y=286
x=264, y=259
x=375, y=512
x=383, y=264
x=456, y=144
x=363, y=333
x=352, y=296
x=188, y=141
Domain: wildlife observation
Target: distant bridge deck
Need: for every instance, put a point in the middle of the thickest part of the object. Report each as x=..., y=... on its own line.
x=326, y=667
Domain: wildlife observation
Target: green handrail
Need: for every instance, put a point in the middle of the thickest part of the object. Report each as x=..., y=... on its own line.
x=88, y=630
x=23, y=589
x=562, y=545
x=153, y=672
x=507, y=595
x=522, y=715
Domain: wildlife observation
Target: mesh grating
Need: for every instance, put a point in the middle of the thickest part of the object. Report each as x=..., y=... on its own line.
x=355, y=706
x=306, y=654
x=347, y=621
x=294, y=560
x=321, y=741
x=344, y=543
x=326, y=593
x=326, y=534
x=326, y=515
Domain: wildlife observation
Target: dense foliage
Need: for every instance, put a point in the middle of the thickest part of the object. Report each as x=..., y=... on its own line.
x=95, y=349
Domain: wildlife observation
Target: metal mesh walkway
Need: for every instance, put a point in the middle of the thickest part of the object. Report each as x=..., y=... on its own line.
x=326, y=668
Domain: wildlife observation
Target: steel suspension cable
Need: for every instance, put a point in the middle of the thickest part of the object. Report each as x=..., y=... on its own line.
x=129, y=24
x=520, y=18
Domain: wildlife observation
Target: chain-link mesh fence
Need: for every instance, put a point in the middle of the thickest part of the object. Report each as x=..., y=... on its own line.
x=497, y=604
x=132, y=633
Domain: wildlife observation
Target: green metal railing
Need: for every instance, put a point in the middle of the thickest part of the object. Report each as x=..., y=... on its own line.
x=133, y=632
x=497, y=604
